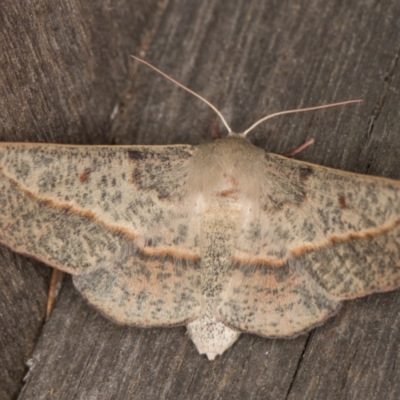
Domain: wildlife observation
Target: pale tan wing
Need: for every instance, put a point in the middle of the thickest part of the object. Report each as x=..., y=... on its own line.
x=322, y=236
x=273, y=302
x=142, y=290
x=80, y=208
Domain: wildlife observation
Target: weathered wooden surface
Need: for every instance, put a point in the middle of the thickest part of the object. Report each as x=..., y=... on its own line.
x=65, y=66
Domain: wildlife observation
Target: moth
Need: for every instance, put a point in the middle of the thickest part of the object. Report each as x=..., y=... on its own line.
x=221, y=237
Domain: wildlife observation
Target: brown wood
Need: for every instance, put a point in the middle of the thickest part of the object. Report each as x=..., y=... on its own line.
x=65, y=66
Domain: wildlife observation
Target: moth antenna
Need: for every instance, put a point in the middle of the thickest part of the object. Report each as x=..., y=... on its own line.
x=188, y=90
x=295, y=111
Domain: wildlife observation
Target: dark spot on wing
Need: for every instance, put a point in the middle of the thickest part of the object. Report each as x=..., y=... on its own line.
x=305, y=173
x=342, y=202
x=84, y=176
x=136, y=155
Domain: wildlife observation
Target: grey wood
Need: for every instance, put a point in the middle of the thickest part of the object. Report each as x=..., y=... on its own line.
x=66, y=69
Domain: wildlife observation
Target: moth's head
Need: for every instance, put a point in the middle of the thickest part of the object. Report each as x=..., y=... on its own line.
x=247, y=131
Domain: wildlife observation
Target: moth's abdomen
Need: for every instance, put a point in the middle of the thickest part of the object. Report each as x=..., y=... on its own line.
x=219, y=232
x=218, y=238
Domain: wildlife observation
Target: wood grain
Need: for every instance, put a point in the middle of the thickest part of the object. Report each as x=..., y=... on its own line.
x=67, y=68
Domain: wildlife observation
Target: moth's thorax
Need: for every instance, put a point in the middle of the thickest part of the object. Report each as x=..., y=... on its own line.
x=225, y=173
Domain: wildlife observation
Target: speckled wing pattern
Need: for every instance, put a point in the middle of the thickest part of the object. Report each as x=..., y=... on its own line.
x=222, y=237
x=321, y=236
x=111, y=216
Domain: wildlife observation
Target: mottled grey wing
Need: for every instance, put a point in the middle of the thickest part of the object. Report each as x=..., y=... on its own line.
x=142, y=290
x=114, y=216
x=322, y=236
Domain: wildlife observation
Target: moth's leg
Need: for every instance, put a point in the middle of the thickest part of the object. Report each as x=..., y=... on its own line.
x=55, y=283
x=215, y=128
x=298, y=149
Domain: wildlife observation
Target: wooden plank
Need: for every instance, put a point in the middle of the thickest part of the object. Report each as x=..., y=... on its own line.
x=23, y=288
x=249, y=58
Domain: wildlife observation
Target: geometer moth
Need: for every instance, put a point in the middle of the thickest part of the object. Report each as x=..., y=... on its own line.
x=222, y=237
